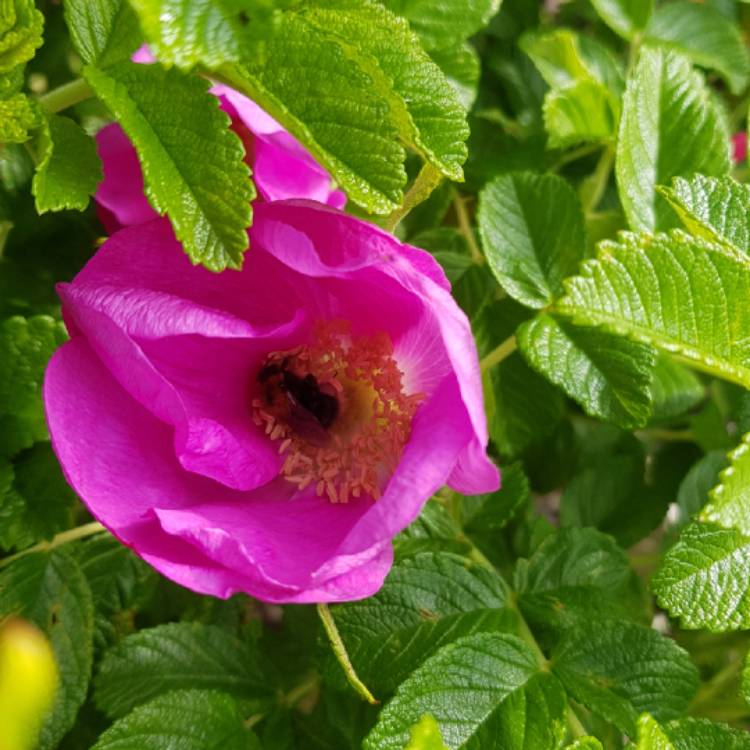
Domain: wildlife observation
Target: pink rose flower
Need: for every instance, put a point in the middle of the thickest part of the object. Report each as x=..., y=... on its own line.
x=268, y=430
x=282, y=167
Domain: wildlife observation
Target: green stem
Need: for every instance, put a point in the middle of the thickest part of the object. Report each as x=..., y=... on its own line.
x=524, y=632
x=66, y=536
x=290, y=699
x=498, y=354
x=715, y=686
x=574, y=724
x=297, y=693
x=574, y=155
x=595, y=185
x=633, y=53
x=667, y=436
x=339, y=649
x=464, y=226
x=66, y=95
x=426, y=181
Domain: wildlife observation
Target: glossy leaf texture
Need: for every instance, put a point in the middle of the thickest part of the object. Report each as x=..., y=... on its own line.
x=670, y=127
x=171, y=657
x=706, y=36
x=533, y=235
x=195, y=172
x=188, y=719
x=682, y=295
x=103, y=31
x=717, y=209
x=428, y=600
x=69, y=171
x=482, y=690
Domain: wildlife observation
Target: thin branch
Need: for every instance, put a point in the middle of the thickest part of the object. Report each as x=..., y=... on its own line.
x=498, y=354
x=464, y=226
x=66, y=536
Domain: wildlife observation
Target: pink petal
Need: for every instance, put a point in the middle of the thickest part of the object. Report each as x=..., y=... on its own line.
x=121, y=190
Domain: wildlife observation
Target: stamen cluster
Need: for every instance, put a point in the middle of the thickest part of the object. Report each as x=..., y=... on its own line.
x=355, y=454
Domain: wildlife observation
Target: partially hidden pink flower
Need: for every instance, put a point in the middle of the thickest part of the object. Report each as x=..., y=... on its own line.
x=282, y=167
x=739, y=147
x=268, y=430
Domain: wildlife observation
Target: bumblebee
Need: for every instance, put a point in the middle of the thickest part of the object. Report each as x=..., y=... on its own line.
x=300, y=401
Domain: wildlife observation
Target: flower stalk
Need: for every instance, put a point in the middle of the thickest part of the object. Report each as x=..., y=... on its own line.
x=339, y=649
x=66, y=96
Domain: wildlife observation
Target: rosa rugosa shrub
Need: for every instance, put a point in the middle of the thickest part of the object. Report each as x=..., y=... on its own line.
x=269, y=406
x=272, y=429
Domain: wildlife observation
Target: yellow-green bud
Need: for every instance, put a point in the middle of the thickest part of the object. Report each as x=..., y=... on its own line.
x=28, y=680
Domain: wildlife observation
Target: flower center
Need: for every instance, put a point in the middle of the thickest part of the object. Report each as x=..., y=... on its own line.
x=338, y=409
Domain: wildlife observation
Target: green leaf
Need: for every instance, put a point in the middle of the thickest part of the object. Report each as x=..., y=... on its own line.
x=689, y=734
x=485, y=691
x=14, y=531
x=181, y=720
x=702, y=477
x=425, y=735
x=448, y=246
x=427, y=601
x=117, y=578
x=531, y=228
x=608, y=375
x=443, y=24
x=612, y=496
x=716, y=209
x=102, y=31
x=745, y=680
x=674, y=390
x=49, y=590
x=436, y=120
x=557, y=56
x=522, y=407
x=585, y=743
x=670, y=127
x=651, y=736
x=705, y=579
x=299, y=81
x=574, y=576
x=175, y=656
x=21, y=27
x=619, y=670
x=705, y=35
x=580, y=113
x=12, y=82
x=26, y=345
x=626, y=17
x=40, y=489
x=729, y=501
x=483, y=513
x=526, y=407
x=433, y=531
x=682, y=295
x=18, y=115
x=462, y=68
x=69, y=170
x=192, y=162
x=188, y=32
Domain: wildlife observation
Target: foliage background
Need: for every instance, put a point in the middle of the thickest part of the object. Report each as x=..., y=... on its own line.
x=601, y=598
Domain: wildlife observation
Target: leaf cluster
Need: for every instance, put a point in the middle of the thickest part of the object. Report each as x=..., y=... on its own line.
x=570, y=167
